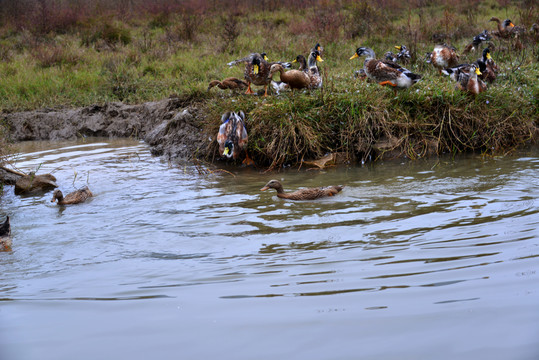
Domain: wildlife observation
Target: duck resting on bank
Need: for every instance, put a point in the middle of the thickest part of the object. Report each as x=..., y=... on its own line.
x=296, y=79
x=302, y=194
x=230, y=83
x=386, y=72
x=76, y=197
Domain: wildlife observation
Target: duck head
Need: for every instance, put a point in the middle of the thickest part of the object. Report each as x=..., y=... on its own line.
x=229, y=148
x=360, y=51
x=273, y=184
x=57, y=195
x=508, y=24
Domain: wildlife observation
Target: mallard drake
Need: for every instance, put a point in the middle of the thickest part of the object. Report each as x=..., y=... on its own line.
x=5, y=236
x=386, y=72
x=230, y=83
x=314, y=72
x=470, y=82
x=35, y=183
x=487, y=66
x=477, y=40
x=318, y=48
x=256, y=70
x=302, y=194
x=74, y=197
x=444, y=56
x=232, y=137
x=505, y=28
x=403, y=56
x=296, y=79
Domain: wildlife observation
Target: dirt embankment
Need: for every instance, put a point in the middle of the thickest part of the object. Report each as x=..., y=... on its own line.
x=171, y=128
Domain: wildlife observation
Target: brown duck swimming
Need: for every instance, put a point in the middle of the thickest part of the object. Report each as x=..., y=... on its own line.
x=5, y=236
x=33, y=183
x=302, y=194
x=75, y=197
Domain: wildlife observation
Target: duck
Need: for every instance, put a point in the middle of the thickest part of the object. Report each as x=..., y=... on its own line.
x=302, y=194
x=444, y=56
x=256, y=70
x=296, y=79
x=386, y=72
x=75, y=197
x=470, y=82
x=34, y=183
x=477, y=40
x=232, y=136
x=402, y=56
x=505, y=28
x=5, y=236
x=313, y=70
x=230, y=83
x=487, y=66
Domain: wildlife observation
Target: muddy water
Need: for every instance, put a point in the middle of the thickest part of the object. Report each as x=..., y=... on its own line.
x=432, y=259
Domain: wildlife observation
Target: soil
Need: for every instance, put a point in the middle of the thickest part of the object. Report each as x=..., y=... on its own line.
x=170, y=128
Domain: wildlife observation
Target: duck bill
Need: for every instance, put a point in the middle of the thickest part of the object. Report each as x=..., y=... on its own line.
x=477, y=71
x=511, y=24
x=318, y=58
x=488, y=56
x=266, y=58
x=226, y=152
x=264, y=188
x=354, y=56
x=398, y=47
x=293, y=61
x=255, y=69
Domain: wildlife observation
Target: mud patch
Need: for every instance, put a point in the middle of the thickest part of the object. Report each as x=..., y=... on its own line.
x=171, y=129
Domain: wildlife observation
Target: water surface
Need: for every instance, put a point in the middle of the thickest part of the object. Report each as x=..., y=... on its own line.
x=432, y=259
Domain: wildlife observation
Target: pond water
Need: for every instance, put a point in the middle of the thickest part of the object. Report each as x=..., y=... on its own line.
x=428, y=259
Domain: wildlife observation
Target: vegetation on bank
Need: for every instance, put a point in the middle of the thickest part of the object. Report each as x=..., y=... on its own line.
x=59, y=53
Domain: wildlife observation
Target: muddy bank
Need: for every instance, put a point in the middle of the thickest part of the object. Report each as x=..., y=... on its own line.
x=171, y=127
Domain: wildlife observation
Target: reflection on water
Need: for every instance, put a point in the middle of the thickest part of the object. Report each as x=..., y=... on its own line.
x=425, y=259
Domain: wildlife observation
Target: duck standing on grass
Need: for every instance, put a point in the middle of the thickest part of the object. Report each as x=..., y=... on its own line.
x=295, y=79
x=5, y=236
x=75, y=197
x=386, y=72
x=232, y=136
x=444, y=56
x=470, y=82
x=302, y=194
x=505, y=28
x=488, y=67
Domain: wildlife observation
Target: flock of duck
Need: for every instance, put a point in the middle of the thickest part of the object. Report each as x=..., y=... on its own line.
x=31, y=184
x=258, y=70
x=233, y=137
x=387, y=71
